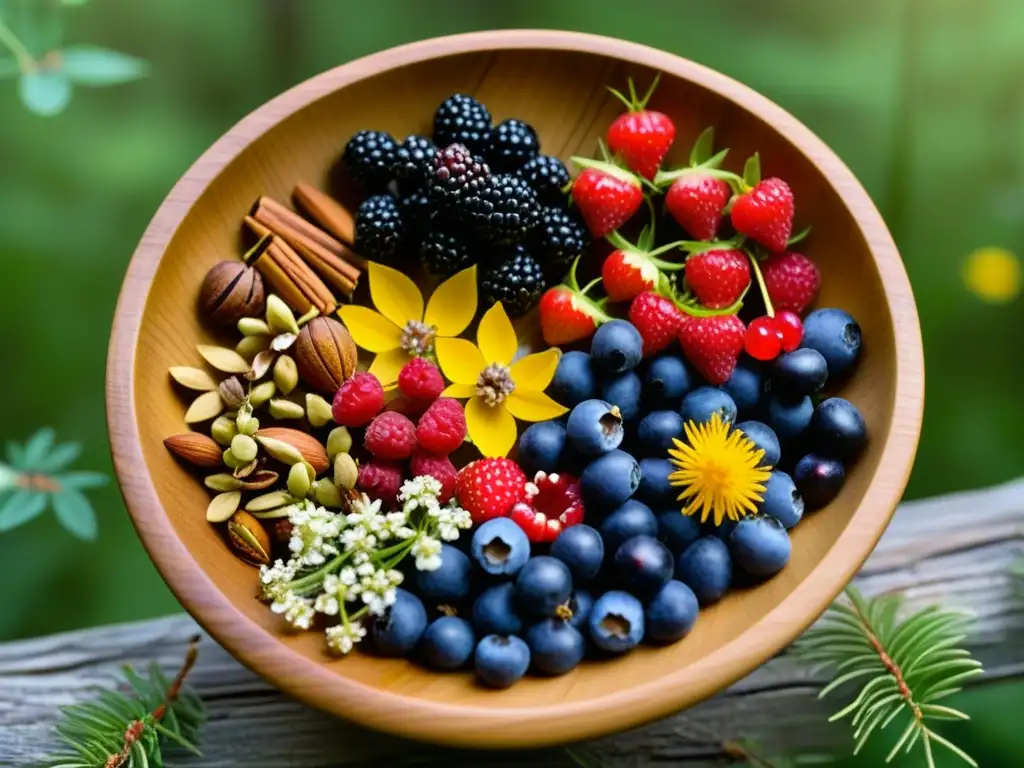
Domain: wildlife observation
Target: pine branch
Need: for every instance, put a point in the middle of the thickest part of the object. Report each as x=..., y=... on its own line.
x=902, y=668
x=131, y=729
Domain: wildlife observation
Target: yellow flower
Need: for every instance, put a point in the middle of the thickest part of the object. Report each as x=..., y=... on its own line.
x=993, y=274
x=718, y=471
x=400, y=329
x=499, y=390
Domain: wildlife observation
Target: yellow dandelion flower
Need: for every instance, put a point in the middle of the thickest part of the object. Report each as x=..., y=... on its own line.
x=993, y=274
x=717, y=468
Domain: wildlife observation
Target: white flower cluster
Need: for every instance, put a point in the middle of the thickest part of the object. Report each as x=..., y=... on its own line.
x=315, y=532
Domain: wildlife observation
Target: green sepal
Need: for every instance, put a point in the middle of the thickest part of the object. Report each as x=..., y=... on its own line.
x=801, y=235
x=609, y=168
x=752, y=171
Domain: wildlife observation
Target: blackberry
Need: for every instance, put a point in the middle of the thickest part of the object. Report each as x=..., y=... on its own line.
x=370, y=158
x=416, y=209
x=559, y=238
x=462, y=119
x=379, y=228
x=503, y=211
x=517, y=282
x=513, y=142
x=414, y=162
x=457, y=173
x=547, y=176
x=444, y=252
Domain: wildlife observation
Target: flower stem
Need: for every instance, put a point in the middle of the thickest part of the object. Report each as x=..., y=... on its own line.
x=26, y=62
x=318, y=575
x=769, y=309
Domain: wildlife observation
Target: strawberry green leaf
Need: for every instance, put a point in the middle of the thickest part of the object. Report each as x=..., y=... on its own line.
x=45, y=93
x=752, y=170
x=80, y=481
x=38, y=446
x=22, y=507
x=96, y=66
x=75, y=513
x=702, y=147
x=716, y=160
x=801, y=235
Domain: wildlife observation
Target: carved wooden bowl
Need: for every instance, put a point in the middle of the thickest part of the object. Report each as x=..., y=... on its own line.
x=556, y=81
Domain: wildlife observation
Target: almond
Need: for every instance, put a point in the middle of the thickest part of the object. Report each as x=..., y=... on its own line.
x=195, y=448
x=308, y=446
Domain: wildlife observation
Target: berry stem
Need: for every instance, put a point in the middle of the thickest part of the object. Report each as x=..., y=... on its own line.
x=769, y=309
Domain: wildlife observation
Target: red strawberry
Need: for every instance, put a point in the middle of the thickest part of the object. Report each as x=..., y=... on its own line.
x=697, y=201
x=567, y=314
x=550, y=504
x=792, y=280
x=630, y=269
x=765, y=214
x=488, y=488
x=718, y=276
x=641, y=136
x=713, y=345
x=657, y=318
x=607, y=196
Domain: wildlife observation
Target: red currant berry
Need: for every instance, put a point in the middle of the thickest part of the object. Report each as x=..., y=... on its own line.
x=763, y=340
x=789, y=325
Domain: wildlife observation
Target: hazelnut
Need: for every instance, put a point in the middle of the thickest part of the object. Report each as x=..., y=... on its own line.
x=325, y=354
x=232, y=290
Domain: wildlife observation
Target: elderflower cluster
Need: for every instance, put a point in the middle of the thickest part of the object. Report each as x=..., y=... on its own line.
x=315, y=532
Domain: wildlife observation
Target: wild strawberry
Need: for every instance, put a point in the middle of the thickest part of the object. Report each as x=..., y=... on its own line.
x=550, y=504
x=630, y=269
x=718, y=276
x=712, y=344
x=488, y=488
x=641, y=136
x=765, y=214
x=607, y=196
x=697, y=201
x=792, y=280
x=567, y=314
x=658, y=320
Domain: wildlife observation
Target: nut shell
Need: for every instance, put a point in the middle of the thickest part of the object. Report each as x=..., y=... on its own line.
x=326, y=354
x=249, y=538
x=230, y=291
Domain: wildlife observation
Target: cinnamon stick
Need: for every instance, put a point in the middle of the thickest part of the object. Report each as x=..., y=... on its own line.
x=325, y=211
x=283, y=285
x=294, y=229
x=333, y=271
x=296, y=269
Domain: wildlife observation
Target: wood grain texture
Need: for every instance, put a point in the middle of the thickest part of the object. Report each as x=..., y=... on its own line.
x=555, y=80
x=954, y=550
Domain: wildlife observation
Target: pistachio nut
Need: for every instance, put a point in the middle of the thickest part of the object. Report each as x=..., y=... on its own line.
x=270, y=501
x=222, y=482
x=259, y=479
x=280, y=450
x=346, y=471
x=232, y=392
x=193, y=378
x=195, y=448
x=223, y=359
x=251, y=346
x=249, y=538
x=253, y=326
x=231, y=290
x=243, y=472
x=286, y=375
x=223, y=431
x=262, y=393
x=205, y=407
x=298, y=480
x=318, y=411
x=233, y=461
x=339, y=441
x=327, y=493
x=223, y=506
x=244, y=448
x=292, y=445
x=280, y=317
x=286, y=409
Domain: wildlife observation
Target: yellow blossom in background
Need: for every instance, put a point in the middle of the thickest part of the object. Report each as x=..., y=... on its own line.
x=993, y=274
x=717, y=468
x=400, y=329
x=499, y=391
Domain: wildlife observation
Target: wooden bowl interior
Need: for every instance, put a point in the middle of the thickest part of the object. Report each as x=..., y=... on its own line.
x=563, y=94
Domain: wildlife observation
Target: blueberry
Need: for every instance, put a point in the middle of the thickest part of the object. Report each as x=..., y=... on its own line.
x=581, y=604
x=644, y=565
x=836, y=335
x=763, y=437
x=745, y=386
x=617, y=347
x=629, y=520
x=555, y=646
x=398, y=631
x=760, y=545
x=574, y=380
x=706, y=568
x=819, y=479
x=666, y=381
x=450, y=582
x=448, y=643
x=837, y=429
x=500, y=547
x=677, y=530
x=594, y=427
x=801, y=372
x=699, y=405
x=789, y=418
x=656, y=430
x=624, y=390
x=501, y=662
x=671, y=614
x=542, y=586
x=542, y=448
x=581, y=548
x=655, y=490
x=782, y=500
x=720, y=531
x=610, y=480
x=616, y=622
x=494, y=612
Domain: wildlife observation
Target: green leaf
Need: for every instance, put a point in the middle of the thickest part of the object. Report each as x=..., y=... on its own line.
x=75, y=513
x=15, y=453
x=752, y=170
x=60, y=458
x=702, y=146
x=21, y=508
x=79, y=481
x=38, y=446
x=45, y=93
x=93, y=65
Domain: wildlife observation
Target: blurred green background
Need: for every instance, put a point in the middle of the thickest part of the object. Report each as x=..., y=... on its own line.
x=921, y=98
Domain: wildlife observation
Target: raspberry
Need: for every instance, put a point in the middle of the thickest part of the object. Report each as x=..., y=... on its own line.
x=443, y=427
x=792, y=281
x=391, y=435
x=438, y=467
x=358, y=401
x=420, y=380
x=381, y=479
x=489, y=487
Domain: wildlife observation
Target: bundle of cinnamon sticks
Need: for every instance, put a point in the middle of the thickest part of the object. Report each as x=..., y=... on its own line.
x=308, y=264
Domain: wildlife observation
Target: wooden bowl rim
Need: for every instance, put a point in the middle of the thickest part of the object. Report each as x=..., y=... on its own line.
x=549, y=723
